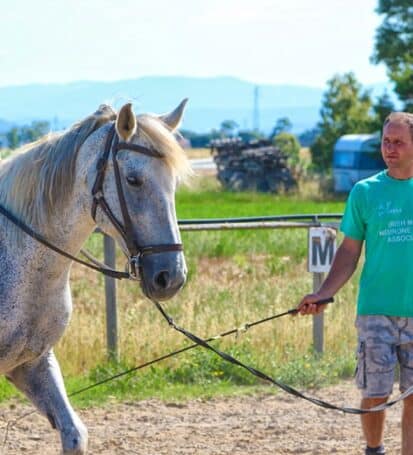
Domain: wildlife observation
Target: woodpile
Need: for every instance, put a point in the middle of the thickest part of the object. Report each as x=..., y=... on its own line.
x=253, y=166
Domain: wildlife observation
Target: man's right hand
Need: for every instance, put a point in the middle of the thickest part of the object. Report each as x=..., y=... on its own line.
x=308, y=305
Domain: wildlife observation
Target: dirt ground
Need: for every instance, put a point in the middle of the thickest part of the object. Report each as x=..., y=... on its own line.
x=262, y=424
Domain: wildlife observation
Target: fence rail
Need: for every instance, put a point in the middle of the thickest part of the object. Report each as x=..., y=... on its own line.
x=306, y=216
x=305, y=221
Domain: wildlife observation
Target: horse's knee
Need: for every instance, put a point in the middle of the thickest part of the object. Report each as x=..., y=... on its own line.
x=74, y=439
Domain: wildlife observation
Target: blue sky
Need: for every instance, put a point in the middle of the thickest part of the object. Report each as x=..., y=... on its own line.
x=263, y=41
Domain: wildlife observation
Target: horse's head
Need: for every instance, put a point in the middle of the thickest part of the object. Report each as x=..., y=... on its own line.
x=134, y=185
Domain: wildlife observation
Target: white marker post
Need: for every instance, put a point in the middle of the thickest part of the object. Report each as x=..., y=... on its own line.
x=321, y=250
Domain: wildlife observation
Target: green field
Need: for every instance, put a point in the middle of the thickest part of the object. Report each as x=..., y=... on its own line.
x=235, y=277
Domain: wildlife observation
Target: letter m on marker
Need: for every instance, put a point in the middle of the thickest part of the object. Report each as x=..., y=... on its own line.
x=322, y=253
x=322, y=247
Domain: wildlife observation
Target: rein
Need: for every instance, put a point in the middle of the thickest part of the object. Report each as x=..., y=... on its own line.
x=197, y=341
x=30, y=232
x=290, y=390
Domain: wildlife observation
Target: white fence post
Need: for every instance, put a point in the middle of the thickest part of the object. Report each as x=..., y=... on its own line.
x=321, y=250
x=111, y=306
x=318, y=319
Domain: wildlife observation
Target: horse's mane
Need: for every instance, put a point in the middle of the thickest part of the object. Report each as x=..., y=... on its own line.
x=39, y=177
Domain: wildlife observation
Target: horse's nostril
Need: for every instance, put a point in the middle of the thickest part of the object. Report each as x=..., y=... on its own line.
x=162, y=279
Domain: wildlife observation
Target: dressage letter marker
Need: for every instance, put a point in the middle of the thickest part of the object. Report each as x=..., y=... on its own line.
x=321, y=249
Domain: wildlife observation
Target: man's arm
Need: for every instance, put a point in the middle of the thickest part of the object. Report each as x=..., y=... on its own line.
x=344, y=264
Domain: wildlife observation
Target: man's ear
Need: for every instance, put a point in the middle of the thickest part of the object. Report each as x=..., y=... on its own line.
x=126, y=122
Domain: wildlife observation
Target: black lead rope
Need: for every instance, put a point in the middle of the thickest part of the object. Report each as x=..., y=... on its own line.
x=292, y=391
x=243, y=328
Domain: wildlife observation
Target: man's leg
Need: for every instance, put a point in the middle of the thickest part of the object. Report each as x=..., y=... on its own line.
x=378, y=336
x=407, y=426
x=405, y=355
x=373, y=422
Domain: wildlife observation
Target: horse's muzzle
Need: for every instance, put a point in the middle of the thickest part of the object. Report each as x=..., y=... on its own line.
x=162, y=275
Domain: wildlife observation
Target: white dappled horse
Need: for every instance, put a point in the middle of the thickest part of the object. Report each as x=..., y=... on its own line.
x=115, y=171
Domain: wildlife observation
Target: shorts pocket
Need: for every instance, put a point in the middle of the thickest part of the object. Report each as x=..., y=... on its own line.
x=380, y=358
x=360, y=374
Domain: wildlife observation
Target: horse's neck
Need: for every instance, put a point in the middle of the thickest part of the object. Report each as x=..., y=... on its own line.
x=72, y=225
x=68, y=228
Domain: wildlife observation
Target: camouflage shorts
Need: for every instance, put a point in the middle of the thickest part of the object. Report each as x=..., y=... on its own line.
x=383, y=342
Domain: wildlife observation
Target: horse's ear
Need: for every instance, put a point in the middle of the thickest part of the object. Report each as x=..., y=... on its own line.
x=173, y=119
x=126, y=122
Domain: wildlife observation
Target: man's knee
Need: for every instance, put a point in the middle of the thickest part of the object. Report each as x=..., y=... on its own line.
x=368, y=403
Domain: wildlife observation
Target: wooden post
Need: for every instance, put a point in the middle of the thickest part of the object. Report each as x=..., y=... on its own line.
x=318, y=319
x=110, y=294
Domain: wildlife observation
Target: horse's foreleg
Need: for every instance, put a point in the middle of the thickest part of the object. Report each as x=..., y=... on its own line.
x=41, y=381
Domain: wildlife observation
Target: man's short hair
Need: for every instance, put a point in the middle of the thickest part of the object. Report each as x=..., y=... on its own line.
x=400, y=117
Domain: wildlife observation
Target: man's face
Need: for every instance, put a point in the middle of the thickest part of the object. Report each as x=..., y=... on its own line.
x=397, y=146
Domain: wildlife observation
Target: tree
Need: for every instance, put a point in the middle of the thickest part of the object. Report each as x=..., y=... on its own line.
x=289, y=145
x=308, y=137
x=250, y=135
x=12, y=137
x=200, y=140
x=345, y=110
x=228, y=128
x=394, y=46
x=283, y=124
x=381, y=109
x=35, y=131
x=17, y=136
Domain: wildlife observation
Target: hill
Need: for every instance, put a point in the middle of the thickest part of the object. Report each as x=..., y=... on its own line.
x=211, y=100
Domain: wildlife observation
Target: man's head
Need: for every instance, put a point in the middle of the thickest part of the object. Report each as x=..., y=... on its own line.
x=397, y=144
x=402, y=118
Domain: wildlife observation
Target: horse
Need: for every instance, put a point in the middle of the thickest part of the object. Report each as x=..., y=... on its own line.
x=114, y=171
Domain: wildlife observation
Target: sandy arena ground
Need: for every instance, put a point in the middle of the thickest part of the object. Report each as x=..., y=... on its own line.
x=263, y=424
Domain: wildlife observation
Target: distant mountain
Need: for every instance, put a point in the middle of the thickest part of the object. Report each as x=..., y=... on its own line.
x=211, y=100
x=5, y=126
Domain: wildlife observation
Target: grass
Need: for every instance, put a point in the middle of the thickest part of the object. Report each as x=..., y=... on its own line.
x=197, y=153
x=234, y=278
x=4, y=153
x=205, y=199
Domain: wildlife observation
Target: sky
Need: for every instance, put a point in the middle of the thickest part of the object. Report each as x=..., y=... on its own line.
x=262, y=41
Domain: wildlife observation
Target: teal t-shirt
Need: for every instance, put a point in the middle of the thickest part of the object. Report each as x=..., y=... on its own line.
x=379, y=211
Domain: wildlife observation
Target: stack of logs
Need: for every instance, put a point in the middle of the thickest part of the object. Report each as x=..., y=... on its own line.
x=253, y=166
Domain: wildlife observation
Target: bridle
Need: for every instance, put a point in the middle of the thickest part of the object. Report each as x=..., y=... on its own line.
x=135, y=251
x=125, y=229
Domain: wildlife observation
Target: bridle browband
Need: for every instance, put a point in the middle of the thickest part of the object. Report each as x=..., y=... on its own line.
x=136, y=252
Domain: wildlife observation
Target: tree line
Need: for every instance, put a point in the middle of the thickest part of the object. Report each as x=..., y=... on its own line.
x=19, y=135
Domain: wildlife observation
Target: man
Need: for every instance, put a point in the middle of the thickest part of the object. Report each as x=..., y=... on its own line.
x=379, y=212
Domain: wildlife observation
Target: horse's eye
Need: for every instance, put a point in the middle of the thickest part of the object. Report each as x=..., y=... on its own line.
x=134, y=181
